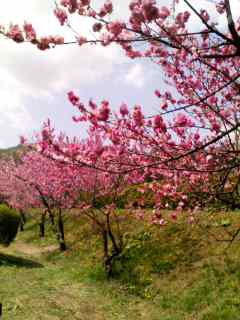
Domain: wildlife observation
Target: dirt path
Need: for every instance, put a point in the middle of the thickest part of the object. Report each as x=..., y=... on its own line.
x=34, y=250
x=30, y=249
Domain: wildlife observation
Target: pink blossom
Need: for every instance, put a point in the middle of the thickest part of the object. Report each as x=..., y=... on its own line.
x=213, y=100
x=44, y=43
x=196, y=136
x=133, y=4
x=138, y=116
x=102, y=13
x=150, y=11
x=174, y=215
x=163, y=13
x=182, y=18
x=65, y=3
x=162, y=222
x=61, y=15
x=97, y=27
x=164, y=106
x=29, y=31
x=103, y=112
x=23, y=140
x=73, y=98
x=124, y=110
x=71, y=4
x=92, y=104
x=182, y=120
x=157, y=93
x=85, y=2
x=15, y=33
x=108, y=6
x=216, y=126
x=92, y=13
x=158, y=123
x=81, y=40
x=116, y=27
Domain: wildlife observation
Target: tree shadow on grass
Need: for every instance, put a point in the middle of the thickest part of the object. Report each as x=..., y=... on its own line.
x=10, y=260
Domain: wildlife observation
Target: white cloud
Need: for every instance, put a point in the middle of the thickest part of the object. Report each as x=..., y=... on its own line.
x=27, y=73
x=11, y=102
x=15, y=119
x=135, y=76
x=44, y=73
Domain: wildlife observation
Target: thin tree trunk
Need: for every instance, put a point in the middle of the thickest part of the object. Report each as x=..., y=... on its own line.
x=22, y=221
x=61, y=235
x=51, y=216
x=42, y=225
x=107, y=264
x=109, y=258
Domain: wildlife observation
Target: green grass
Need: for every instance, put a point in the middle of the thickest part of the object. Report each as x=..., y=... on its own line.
x=179, y=272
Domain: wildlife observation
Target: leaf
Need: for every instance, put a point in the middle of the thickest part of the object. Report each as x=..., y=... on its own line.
x=225, y=222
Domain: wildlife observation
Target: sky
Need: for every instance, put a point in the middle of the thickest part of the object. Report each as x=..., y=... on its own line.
x=34, y=84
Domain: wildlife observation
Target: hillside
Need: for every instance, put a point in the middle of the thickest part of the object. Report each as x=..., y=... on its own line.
x=179, y=272
x=11, y=152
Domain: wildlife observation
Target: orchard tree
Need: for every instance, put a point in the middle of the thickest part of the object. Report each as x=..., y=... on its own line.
x=38, y=182
x=99, y=189
x=13, y=191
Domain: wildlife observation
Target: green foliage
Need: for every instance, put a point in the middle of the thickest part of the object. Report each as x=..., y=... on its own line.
x=173, y=273
x=9, y=222
x=143, y=257
x=132, y=196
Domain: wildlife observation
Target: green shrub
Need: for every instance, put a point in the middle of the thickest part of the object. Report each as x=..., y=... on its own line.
x=9, y=222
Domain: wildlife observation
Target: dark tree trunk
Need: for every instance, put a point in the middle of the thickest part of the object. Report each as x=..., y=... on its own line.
x=51, y=216
x=107, y=267
x=61, y=235
x=22, y=221
x=42, y=225
x=109, y=257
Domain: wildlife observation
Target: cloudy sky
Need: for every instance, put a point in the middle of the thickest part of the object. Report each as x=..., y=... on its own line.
x=34, y=83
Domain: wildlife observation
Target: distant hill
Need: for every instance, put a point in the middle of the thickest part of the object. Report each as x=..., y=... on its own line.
x=11, y=152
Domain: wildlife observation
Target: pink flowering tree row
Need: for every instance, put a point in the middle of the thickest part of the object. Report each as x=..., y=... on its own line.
x=50, y=176
x=38, y=182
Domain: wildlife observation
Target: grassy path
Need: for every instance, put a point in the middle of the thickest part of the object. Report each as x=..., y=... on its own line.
x=32, y=287
x=23, y=248
x=183, y=276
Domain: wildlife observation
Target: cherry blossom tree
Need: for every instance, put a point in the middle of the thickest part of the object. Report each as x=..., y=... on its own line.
x=99, y=189
x=39, y=182
x=194, y=134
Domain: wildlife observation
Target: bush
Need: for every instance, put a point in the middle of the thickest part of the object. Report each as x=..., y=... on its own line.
x=9, y=222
